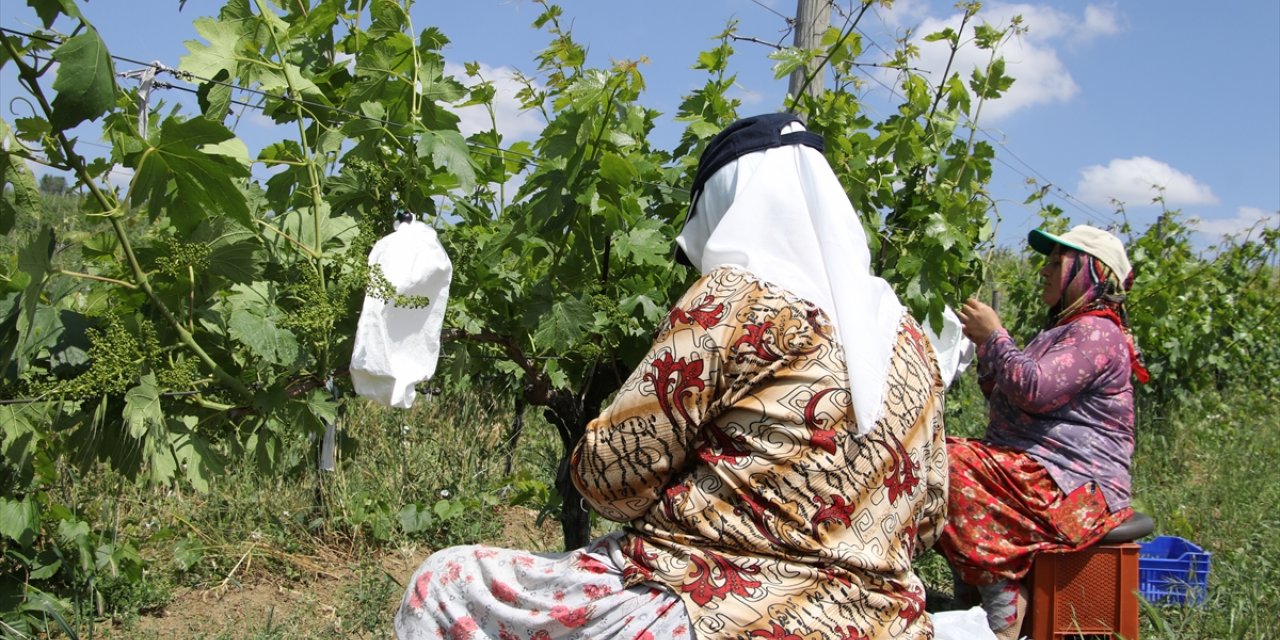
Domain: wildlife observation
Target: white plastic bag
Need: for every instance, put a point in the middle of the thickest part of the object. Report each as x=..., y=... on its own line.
x=954, y=351
x=397, y=347
x=962, y=625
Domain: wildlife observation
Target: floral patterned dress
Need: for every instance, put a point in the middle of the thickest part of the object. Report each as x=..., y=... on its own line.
x=1052, y=472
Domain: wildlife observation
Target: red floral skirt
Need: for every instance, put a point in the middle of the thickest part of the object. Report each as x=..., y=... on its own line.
x=1003, y=507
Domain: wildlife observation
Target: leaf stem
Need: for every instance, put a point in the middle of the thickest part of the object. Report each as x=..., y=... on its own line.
x=572, y=178
x=89, y=276
x=215, y=406
x=297, y=243
x=317, y=198
x=191, y=300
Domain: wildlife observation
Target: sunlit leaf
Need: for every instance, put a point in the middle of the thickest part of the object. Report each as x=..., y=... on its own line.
x=448, y=150
x=615, y=169
x=34, y=261
x=645, y=246
x=188, y=553
x=993, y=84
x=302, y=225
x=199, y=460
x=564, y=325
x=251, y=327
x=414, y=519
x=20, y=435
x=215, y=97
x=233, y=148
x=219, y=55
x=15, y=174
x=789, y=59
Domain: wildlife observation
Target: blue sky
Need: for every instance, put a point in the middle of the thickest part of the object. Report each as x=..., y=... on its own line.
x=1111, y=97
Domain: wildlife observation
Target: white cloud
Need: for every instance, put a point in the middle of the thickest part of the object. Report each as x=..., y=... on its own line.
x=1247, y=218
x=905, y=13
x=1099, y=21
x=514, y=122
x=1031, y=58
x=1138, y=180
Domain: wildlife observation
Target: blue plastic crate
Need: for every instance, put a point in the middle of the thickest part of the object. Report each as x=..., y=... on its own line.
x=1172, y=570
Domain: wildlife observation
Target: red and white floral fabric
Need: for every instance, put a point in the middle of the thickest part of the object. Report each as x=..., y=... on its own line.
x=480, y=592
x=1004, y=507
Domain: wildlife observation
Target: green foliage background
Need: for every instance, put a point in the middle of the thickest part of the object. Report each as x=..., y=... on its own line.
x=176, y=329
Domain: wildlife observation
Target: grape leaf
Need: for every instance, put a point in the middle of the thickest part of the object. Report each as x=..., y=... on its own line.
x=253, y=329
x=644, y=245
x=19, y=435
x=199, y=459
x=203, y=182
x=564, y=325
x=616, y=169
x=207, y=60
x=142, y=406
x=236, y=256
x=448, y=150
x=20, y=519
x=85, y=81
x=33, y=261
x=26, y=196
x=49, y=10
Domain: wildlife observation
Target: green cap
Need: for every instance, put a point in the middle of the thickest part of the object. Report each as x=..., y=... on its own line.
x=1091, y=240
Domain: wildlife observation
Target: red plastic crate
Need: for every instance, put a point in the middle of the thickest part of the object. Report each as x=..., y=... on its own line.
x=1092, y=592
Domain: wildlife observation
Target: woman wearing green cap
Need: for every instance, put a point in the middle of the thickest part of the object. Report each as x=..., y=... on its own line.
x=1052, y=471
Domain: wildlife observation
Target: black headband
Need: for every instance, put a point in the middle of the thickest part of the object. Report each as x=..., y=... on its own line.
x=745, y=136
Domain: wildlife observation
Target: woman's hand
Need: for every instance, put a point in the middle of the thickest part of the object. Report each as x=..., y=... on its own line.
x=978, y=321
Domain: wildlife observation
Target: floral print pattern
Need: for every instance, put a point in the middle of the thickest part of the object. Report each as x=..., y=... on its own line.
x=479, y=592
x=1067, y=401
x=1004, y=507
x=732, y=455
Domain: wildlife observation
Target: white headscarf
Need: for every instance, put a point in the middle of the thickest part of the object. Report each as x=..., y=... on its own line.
x=782, y=215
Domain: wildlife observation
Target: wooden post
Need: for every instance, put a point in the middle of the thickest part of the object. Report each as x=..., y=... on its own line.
x=813, y=17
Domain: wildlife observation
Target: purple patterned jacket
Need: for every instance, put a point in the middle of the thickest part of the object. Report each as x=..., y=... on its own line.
x=1066, y=400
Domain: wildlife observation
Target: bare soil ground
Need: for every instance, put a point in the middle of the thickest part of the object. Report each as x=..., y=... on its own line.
x=339, y=596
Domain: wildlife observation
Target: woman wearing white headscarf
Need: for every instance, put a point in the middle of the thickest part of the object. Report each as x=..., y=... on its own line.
x=778, y=456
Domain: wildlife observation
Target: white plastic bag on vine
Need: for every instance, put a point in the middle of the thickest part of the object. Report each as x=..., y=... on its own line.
x=955, y=352
x=397, y=342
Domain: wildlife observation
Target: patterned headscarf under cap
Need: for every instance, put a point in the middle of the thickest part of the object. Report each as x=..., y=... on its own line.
x=1091, y=287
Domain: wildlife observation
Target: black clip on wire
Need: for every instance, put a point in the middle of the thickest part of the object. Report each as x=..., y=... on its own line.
x=405, y=217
